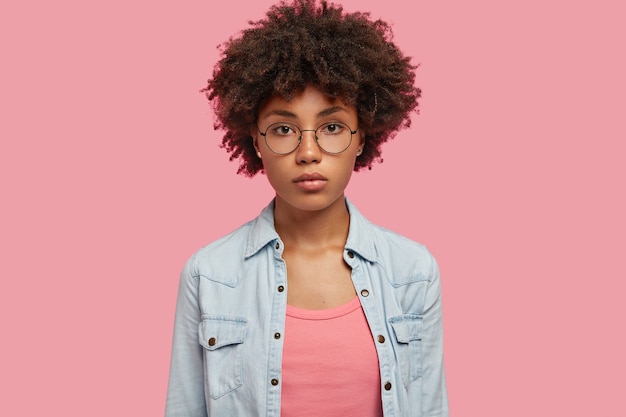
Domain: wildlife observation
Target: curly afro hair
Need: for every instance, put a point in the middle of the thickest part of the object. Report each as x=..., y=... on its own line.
x=345, y=55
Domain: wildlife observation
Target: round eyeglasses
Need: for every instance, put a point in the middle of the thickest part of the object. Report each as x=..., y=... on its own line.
x=283, y=138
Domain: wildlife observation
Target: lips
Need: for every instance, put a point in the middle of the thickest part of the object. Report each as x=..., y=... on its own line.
x=311, y=182
x=310, y=177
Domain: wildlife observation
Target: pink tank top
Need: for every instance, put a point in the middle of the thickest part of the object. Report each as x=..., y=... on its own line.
x=330, y=365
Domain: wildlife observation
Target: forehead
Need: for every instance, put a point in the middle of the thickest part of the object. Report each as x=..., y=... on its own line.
x=309, y=102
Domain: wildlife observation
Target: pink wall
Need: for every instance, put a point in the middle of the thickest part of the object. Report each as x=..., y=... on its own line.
x=513, y=175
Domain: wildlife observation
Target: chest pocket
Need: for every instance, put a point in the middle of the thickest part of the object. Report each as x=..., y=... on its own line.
x=408, y=331
x=222, y=339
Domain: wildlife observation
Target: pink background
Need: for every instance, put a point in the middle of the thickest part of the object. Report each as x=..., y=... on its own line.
x=513, y=175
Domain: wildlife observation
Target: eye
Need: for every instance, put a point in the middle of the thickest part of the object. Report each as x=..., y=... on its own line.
x=282, y=129
x=333, y=128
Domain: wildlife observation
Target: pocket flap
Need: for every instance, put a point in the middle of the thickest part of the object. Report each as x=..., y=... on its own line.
x=216, y=332
x=407, y=327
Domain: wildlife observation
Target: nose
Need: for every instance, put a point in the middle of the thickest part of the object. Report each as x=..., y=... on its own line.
x=308, y=151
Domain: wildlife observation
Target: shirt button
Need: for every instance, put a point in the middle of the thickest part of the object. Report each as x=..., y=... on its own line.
x=281, y=288
x=388, y=386
x=365, y=293
x=350, y=254
x=381, y=338
x=276, y=335
x=212, y=341
x=277, y=245
x=274, y=381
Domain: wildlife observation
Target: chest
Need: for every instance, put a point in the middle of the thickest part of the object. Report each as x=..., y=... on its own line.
x=318, y=280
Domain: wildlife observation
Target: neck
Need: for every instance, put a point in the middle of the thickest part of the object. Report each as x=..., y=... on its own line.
x=312, y=228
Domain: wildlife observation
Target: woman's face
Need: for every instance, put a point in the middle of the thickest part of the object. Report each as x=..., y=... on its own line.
x=308, y=178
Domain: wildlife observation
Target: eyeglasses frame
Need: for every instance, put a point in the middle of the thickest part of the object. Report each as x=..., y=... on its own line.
x=264, y=134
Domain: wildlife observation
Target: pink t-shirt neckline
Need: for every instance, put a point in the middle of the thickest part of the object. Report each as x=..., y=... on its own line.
x=324, y=314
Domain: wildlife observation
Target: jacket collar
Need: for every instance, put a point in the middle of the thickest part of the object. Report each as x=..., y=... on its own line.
x=262, y=231
x=360, y=233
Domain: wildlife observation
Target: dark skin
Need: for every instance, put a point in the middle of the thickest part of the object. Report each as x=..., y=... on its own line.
x=311, y=218
x=317, y=275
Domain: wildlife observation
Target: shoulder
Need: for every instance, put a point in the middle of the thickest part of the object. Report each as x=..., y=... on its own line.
x=221, y=260
x=403, y=260
x=225, y=259
x=408, y=260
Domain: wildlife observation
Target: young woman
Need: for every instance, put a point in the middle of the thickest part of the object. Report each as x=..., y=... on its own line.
x=309, y=309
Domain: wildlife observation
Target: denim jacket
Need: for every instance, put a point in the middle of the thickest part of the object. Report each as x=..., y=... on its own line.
x=230, y=315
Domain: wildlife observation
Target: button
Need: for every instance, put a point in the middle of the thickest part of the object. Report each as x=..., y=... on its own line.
x=281, y=288
x=381, y=338
x=350, y=254
x=365, y=293
x=275, y=382
x=212, y=341
x=277, y=245
x=276, y=335
x=388, y=386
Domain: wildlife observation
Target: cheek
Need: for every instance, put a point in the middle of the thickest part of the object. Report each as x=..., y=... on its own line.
x=273, y=171
x=346, y=168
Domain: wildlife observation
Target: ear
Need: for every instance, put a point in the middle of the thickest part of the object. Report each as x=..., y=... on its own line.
x=361, y=144
x=255, y=143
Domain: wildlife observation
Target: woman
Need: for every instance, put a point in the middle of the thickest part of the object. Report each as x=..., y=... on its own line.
x=309, y=309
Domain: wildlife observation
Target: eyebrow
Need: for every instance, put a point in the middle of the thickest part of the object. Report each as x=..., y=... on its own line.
x=323, y=113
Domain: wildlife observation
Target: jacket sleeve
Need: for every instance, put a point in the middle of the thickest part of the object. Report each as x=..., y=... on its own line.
x=435, y=398
x=185, y=393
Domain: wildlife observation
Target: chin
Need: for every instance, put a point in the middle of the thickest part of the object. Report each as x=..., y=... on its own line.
x=311, y=202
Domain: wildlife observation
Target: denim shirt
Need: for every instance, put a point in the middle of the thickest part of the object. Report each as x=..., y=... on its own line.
x=230, y=318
